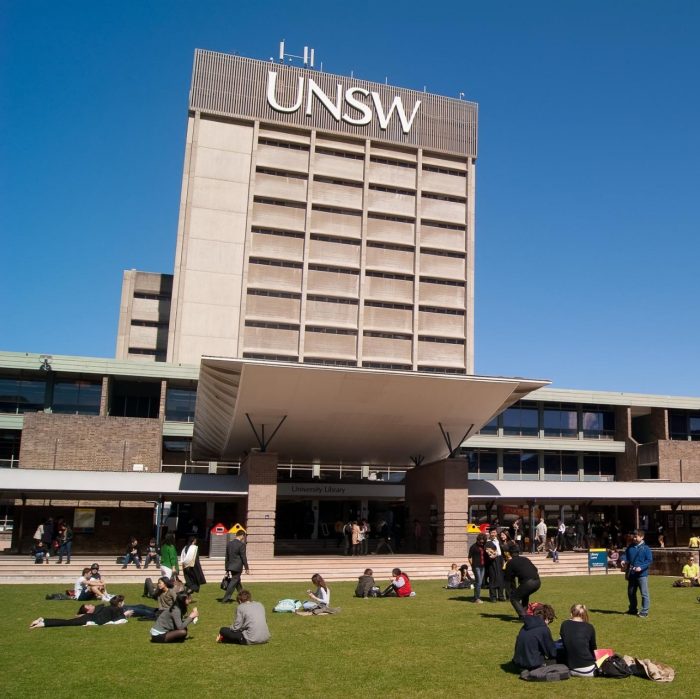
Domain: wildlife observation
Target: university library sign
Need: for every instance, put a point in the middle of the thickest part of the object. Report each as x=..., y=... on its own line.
x=375, y=491
x=244, y=88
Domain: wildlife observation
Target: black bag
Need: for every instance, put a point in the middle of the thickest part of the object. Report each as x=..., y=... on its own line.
x=225, y=581
x=614, y=667
x=546, y=673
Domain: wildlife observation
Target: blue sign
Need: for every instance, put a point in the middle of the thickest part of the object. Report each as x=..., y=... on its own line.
x=597, y=558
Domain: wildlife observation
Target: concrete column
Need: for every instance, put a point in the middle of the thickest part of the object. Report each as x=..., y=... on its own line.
x=444, y=486
x=163, y=395
x=104, y=397
x=261, y=470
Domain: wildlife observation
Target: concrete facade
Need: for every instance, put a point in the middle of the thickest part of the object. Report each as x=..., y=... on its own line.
x=311, y=244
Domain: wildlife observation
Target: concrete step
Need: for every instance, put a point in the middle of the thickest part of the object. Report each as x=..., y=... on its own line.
x=21, y=569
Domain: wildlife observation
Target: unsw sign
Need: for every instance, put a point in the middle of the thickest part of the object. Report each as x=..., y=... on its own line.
x=353, y=105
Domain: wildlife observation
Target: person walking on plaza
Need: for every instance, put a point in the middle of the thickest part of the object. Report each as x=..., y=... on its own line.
x=541, y=532
x=249, y=626
x=523, y=578
x=168, y=557
x=636, y=561
x=236, y=562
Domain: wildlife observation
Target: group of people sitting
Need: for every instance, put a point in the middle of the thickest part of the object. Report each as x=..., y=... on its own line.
x=535, y=646
x=399, y=585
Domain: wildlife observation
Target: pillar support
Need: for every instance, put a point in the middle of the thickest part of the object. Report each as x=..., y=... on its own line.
x=260, y=468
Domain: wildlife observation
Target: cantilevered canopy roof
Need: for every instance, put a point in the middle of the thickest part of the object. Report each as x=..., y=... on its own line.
x=106, y=485
x=593, y=492
x=349, y=415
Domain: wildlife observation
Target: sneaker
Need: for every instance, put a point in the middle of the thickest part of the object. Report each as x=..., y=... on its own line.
x=478, y=601
x=643, y=615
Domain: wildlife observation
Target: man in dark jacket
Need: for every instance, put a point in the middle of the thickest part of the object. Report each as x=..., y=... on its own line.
x=522, y=578
x=236, y=561
x=534, y=644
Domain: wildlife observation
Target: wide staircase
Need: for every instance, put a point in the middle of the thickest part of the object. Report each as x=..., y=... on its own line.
x=21, y=569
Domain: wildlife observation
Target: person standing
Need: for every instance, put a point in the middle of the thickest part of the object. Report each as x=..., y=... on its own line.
x=168, y=557
x=65, y=542
x=541, y=532
x=249, y=627
x=477, y=560
x=561, y=535
x=580, y=532
x=494, y=568
x=236, y=562
x=636, y=561
x=523, y=578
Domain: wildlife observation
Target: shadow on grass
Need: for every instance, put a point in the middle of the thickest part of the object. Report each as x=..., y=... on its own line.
x=503, y=617
x=607, y=611
x=461, y=598
x=511, y=668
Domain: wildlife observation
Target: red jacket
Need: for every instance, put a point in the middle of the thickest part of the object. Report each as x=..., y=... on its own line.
x=405, y=589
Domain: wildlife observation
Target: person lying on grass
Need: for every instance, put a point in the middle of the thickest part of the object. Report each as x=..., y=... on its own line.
x=90, y=614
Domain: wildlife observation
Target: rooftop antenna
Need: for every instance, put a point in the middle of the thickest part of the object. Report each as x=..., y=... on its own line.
x=307, y=58
x=461, y=95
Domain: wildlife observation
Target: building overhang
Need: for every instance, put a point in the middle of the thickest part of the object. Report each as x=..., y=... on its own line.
x=118, y=485
x=591, y=492
x=348, y=415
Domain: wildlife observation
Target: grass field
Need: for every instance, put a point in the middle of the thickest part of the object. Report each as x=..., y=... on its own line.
x=431, y=645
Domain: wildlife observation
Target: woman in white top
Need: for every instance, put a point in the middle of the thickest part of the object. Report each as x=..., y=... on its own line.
x=188, y=563
x=322, y=596
x=453, y=577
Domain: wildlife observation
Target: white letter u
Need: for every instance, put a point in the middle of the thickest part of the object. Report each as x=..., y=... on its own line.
x=272, y=100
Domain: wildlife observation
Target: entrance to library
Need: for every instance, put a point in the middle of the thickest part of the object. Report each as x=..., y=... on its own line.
x=309, y=526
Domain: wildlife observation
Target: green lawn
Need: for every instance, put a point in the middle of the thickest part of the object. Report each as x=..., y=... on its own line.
x=427, y=646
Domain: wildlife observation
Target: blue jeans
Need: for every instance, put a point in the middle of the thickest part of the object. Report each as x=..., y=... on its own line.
x=478, y=581
x=65, y=550
x=641, y=584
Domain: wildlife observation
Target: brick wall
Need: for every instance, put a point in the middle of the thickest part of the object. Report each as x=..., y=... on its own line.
x=442, y=485
x=679, y=461
x=90, y=443
x=261, y=470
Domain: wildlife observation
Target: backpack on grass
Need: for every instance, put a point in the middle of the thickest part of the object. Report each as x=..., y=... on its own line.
x=615, y=667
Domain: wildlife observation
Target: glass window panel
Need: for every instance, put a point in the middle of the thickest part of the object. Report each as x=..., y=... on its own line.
x=22, y=395
x=569, y=464
x=607, y=465
x=520, y=421
x=694, y=427
x=77, y=396
x=488, y=462
x=511, y=462
x=529, y=463
x=9, y=446
x=491, y=427
x=598, y=423
x=180, y=404
x=678, y=425
x=552, y=463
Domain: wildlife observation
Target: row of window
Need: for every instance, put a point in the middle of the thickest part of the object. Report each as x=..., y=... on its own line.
x=527, y=419
x=533, y=465
x=82, y=397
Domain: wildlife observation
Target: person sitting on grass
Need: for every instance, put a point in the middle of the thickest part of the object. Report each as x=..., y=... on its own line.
x=400, y=585
x=365, y=584
x=578, y=638
x=94, y=615
x=534, y=645
x=87, y=588
x=466, y=581
x=249, y=627
x=322, y=596
x=691, y=571
x=453, y=577
x=171, y=625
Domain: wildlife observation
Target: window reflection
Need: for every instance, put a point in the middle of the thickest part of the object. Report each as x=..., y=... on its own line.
x=22, y=395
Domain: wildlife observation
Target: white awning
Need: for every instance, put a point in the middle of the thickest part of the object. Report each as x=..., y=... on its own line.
x=348, y=415
x=598, y=492
x=121, y=485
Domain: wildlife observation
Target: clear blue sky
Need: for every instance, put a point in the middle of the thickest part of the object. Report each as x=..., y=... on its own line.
x=588, y=179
